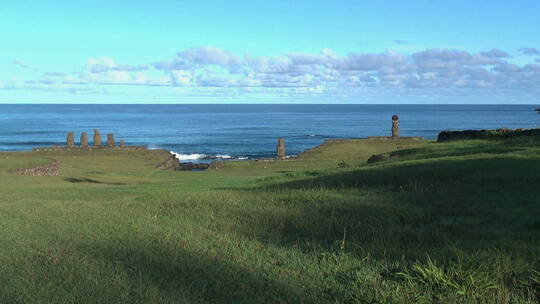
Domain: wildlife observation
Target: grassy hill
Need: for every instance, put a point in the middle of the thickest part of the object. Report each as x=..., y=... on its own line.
x=454, y=222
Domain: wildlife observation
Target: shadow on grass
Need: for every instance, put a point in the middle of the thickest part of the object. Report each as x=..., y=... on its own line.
x=407, y=210
x=90, y=181
x=445, y=150
x=502, y=173
x=161, y=274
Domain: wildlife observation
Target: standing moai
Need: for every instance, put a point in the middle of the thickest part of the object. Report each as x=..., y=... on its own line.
x=122, y=144
x=97, y=139
x=110, y=140
x=395, y=126
x=280, y=149
x=84, y=140
x=70, y=141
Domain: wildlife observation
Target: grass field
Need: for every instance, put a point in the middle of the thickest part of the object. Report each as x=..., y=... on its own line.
x=457, y=222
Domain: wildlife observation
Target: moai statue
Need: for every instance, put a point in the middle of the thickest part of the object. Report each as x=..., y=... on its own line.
x=70, y=141
x=97, y=139
x=280, y=149
x=395, y=126
x=122, y=144
x=84, y=140
x=110, y=140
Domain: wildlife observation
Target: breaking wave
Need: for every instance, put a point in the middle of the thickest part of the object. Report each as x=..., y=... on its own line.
x=197, y=156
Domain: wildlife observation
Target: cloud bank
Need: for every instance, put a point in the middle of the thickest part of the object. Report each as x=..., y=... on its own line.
x=24, y=65
x=431, y=72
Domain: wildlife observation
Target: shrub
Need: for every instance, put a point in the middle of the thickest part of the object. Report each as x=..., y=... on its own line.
x=502, y=133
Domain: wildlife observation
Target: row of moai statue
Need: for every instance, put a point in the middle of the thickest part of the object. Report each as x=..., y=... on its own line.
x=280, y=148
x=111, y=143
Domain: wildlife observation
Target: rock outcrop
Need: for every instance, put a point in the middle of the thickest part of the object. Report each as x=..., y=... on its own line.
x=193, y=166
x=173, y=164
x=375, y=158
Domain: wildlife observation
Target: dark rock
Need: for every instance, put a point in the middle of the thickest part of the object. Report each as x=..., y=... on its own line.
x=216, y=165
x=172, y=164
x=193, y=166
x=375, y=158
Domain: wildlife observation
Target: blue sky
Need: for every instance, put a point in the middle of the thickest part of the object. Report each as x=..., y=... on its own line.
x=269, y=51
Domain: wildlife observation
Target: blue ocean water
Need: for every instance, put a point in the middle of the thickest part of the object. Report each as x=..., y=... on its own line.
x=244, y=131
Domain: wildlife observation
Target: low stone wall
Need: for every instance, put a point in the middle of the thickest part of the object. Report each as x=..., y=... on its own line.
x=396, y=137
x=486, y=134
x=52, y=148
x=52, y=169
x=89, y=148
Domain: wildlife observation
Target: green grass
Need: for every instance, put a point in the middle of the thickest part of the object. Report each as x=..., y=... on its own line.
x=454, y=222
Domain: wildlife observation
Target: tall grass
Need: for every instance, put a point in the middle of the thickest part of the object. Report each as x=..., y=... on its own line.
x=442, y=223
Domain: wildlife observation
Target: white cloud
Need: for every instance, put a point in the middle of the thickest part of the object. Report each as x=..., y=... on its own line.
x=24, y=65
x=529, y=51
x=431, y=72
x=104, y=64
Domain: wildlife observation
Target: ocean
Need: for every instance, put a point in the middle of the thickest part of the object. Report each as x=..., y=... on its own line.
x=222, y=131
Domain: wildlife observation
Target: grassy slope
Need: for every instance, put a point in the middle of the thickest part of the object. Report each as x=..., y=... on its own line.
x=451, y=223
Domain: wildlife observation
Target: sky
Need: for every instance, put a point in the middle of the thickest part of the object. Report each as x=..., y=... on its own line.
x=172, y=51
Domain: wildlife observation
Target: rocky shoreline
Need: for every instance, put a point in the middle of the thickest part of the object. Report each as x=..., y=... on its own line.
x=174, y=164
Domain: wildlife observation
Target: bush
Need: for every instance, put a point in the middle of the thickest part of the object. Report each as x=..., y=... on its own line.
x=342, y=164
x=486, y=134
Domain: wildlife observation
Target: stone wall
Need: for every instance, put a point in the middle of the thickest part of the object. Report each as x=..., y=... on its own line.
x=52, y=169
x=51, y=148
